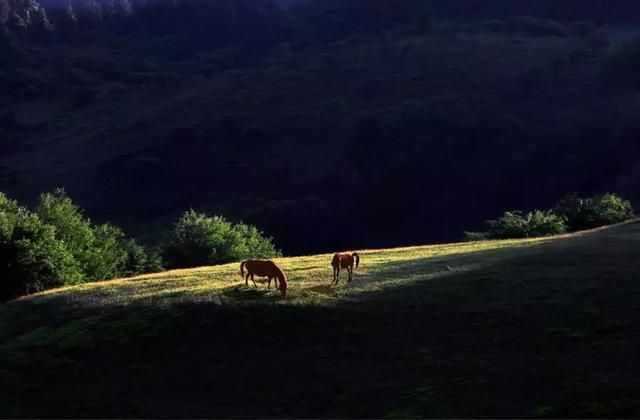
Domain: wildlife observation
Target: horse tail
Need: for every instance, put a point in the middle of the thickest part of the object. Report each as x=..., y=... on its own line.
x=357, y=257
x=242, y=265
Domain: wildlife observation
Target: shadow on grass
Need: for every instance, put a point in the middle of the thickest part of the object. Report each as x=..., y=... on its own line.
x=244, y=293
x=452, y=346
x=325, y=290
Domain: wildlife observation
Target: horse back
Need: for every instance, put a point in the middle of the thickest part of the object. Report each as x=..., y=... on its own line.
x=264, y=268
x=342, y=260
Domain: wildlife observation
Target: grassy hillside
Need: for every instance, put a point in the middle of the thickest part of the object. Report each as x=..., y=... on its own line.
x=348, y=135
x=513, y=328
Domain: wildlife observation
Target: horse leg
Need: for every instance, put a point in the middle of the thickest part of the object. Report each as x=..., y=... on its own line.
x=246, y=280
x=254, y=282
x=337, y=275
x=350, y=271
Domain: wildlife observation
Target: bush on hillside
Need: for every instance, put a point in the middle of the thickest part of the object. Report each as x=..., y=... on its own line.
x=572, y=213
x=56, y=245
x=31, y=257
x=139, y=260
x=544, y=223
x=199, y=240
x=515, y=224
x=476, y=236
x=594, y=212
x=101, y=251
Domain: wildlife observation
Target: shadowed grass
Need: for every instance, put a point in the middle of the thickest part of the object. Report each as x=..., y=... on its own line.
x=544, y=328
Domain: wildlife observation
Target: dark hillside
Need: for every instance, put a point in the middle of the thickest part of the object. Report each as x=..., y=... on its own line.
x=396, y=137
x=612, y=11
x=379, y=122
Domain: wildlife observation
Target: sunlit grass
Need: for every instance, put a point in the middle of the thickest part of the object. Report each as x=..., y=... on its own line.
x=309, y=278
x=427, y=326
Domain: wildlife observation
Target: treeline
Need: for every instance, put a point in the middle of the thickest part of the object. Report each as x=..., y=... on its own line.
x=55, y=245
x=597, y=10
x=570, y=214
x=253, y=25
x=260, y=24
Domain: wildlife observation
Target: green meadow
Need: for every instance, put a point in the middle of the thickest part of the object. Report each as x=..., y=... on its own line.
x=518, y=328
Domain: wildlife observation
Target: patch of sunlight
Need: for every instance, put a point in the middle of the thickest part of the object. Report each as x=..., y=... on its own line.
x=309, y=276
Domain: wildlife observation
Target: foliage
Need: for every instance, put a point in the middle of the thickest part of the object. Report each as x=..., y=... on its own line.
x=594, y=212
x=515, y=224
x=440, y=112
x=476, y=236
x=31, y=257
x=139, y=260
x=544, y=223
x=571, y=213
x=497, y=301
x=199, y=239
x=56, y=245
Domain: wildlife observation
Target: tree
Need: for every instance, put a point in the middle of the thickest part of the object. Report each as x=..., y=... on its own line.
x=31, y=257
x=68, y=25
x=139, y=260
x=58, y=210
x=199, y=240
x=18, y=26
x=40, y=29
x=593, y=212
x=4, y=12
x=515, y=224
x=88, y=13
x=101, y=251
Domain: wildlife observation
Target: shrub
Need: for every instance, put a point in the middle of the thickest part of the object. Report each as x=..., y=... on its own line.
x=510, y=225
x=545, y=223
x=571, y=213
x=31, y=257
x=139, y=260
x=594, y=212
x=102, y=251
x=199, y=240
x=515, y=224
x=476, y=236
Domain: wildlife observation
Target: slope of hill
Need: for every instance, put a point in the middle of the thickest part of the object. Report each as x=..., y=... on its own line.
x=524, y=328
x=382, y=139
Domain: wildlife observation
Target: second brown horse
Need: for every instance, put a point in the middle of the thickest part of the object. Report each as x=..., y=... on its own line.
x=344, y=260
x=265, y=268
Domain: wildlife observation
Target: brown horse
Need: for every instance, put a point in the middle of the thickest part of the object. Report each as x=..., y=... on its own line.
x=344, y=260
x=265, y=268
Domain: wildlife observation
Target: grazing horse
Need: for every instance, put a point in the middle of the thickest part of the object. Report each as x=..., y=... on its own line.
x=265, y=268
x=344, y=260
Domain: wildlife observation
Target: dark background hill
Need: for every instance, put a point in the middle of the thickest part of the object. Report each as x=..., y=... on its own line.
x=327, y=123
